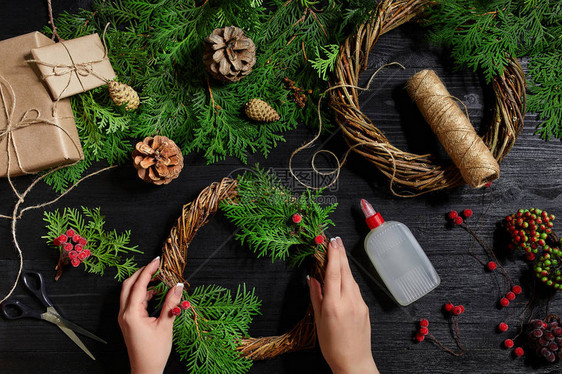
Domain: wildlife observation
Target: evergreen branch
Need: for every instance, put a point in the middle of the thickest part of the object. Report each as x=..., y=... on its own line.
x=263, y=211
x=107, y=248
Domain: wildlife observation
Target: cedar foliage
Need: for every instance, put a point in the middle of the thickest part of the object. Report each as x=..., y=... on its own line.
x=484, y=34
x=108, y=248
x=156, y=46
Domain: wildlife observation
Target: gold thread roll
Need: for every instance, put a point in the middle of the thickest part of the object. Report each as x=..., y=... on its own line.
x=472, y=157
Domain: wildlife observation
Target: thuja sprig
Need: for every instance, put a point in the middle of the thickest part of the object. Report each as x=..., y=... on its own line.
x=264, y=210
x=105, y=249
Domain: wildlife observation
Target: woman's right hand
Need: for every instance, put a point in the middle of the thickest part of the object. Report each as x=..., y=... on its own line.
x=342, y=317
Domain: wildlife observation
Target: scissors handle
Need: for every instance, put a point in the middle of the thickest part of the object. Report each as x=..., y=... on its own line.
x=35, y=283
x=15, y=309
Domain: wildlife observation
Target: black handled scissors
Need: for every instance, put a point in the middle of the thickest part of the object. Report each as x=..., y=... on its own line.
x=15, y=309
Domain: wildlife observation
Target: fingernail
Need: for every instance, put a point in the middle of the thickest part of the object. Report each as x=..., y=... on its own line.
x=156, y=259
x=337, y=237
x=178, y=289
x=332, y=240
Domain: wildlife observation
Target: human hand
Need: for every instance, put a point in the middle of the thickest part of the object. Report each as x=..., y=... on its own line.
x=342, y=317
x=148, y=339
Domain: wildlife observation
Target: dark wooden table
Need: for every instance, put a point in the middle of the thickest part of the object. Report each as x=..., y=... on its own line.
x=530, y=177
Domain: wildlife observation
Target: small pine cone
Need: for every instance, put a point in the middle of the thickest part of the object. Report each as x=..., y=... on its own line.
x=229, y=54
x=158, y=160
x=122, y=93
x=260, y=111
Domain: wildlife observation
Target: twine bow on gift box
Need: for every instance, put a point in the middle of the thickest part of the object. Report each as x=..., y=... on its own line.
x=79, y=69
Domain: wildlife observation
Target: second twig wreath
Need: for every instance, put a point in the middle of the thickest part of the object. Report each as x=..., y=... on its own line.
x=413, y=172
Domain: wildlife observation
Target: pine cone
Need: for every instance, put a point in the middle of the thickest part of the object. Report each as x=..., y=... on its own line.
x=260, y=111
x=122, y=93
x=158, y=160
x=229, y=54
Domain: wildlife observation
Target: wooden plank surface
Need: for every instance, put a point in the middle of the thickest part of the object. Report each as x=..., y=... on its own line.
x=530, y=177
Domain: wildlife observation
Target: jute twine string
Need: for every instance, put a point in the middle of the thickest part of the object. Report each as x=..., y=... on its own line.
x=31, y=117
x=415, y=174
x=336, y=171
x=82, y=69
x=472, y=157
x=174, y=260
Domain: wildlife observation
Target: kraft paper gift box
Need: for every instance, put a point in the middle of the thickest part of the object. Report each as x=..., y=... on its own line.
x=33, y=136
x=74, y=66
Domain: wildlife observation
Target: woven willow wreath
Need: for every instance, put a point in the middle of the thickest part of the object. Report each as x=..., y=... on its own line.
x=418, y=173
x=174, y=260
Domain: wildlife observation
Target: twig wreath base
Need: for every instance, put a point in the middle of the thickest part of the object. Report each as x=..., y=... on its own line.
x=417, y=173
x=174, y=260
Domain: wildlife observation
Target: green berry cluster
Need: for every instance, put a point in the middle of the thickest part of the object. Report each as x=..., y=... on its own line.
x=531, y=230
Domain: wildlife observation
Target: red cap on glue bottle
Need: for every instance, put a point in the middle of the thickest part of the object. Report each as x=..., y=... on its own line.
x=373, y=219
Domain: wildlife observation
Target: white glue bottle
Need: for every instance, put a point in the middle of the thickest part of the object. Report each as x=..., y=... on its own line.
x=398, y=258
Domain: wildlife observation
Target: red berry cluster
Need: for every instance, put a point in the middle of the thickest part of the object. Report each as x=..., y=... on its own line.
x=422, y=331
x=184, y=305
x=455, y=310
x=510, y=296
x=73, y=245
x=456, y=218
x=546, y=339
x=452, y=312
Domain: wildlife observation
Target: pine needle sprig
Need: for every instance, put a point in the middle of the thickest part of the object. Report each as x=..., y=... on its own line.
x=108, y=248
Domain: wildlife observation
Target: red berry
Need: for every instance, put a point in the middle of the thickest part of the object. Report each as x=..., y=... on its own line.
x=424, y=322
x=448, y=307
x=530, y=256
x=518, y=352
x=467, y=213
x=319, y=239
x=462, y=308
x=458, y=220
x=491, y=266
x=78, y=248
x=185, y=304
x=516, y=289
x=510, y=296
x=75, y=262
x=297, y=218
x=504, y=302
x=176, y=311
x=424, y=330
x=82, y=256
x=420, y=337
x=57, y=242
x=457, y=310
x=87, y=252
x=503, y=327
x=70, y=233
x=76, y=238
x=453, y=214
x=489, y=184
x=72, y=254
x=67, y=247
x=508, y=343
x=82, y=241
x=63, y=238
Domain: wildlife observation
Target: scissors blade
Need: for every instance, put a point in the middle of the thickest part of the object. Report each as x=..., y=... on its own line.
x=73, y=326
x=50, y=317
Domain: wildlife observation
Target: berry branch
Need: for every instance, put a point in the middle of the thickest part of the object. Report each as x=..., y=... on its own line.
x=81, y=238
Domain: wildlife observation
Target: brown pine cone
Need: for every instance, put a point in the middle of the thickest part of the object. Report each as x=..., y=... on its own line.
x=158, y=160
x=229, y=54
x=122, y=93
x=260, y=111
